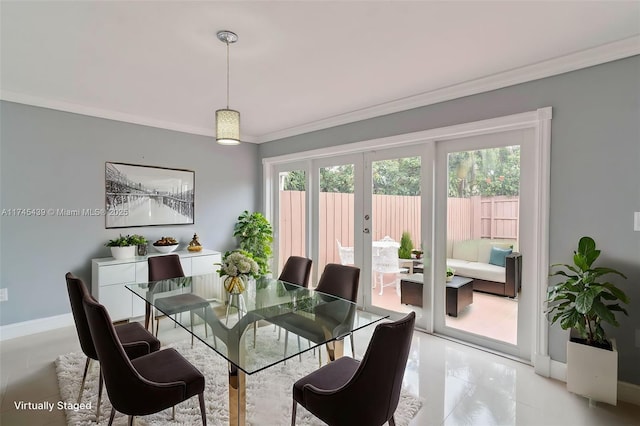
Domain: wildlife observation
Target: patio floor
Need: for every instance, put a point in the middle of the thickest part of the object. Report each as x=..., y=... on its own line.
x=489, y=315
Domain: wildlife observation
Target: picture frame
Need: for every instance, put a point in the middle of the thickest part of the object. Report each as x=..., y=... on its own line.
x=140, y=195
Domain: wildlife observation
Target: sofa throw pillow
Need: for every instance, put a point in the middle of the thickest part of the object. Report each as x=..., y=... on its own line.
x=499, y=256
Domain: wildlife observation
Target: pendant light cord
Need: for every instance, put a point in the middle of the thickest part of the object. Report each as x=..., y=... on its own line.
x=227, y=74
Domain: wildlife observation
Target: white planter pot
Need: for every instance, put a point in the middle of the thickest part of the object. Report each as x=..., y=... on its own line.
x=593, y=372
x=123, y=252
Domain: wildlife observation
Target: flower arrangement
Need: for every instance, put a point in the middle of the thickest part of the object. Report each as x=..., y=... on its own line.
x=237, y=266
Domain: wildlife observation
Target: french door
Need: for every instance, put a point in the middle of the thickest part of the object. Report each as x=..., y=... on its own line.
x=350, y=205
x=362, y=204
x=483, y=193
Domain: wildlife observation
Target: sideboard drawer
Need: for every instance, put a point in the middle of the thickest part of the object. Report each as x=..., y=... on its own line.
x=117, y=274
x=201, y=265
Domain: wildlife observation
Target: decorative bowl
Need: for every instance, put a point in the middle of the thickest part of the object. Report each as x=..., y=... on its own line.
x=165, y=249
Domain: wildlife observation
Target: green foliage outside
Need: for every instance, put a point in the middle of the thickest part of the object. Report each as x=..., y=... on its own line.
x=255, y=234
x=485, y=172
x=406, y=245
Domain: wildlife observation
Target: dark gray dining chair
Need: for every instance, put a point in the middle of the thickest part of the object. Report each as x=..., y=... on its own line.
x=296, y=270
x=145, y=385
x=336, y=280
x=165, y=268
x=350, y=392
x=135, y=340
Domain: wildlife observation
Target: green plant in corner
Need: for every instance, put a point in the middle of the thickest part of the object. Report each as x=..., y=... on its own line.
x=406, y=245
x=255, y=234
x=582, y=301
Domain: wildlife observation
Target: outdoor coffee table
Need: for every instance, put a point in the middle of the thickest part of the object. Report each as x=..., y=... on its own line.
x=411, y=289
x=459, y=294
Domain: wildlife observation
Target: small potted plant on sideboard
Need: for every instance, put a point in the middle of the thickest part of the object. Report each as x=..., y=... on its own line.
x=582, y=303
x=122, y=247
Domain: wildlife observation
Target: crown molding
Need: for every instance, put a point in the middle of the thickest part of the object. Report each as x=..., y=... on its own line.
x=575, y=61
x=21, y=98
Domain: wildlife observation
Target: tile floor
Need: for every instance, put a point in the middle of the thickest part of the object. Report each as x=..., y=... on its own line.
x=458, y=384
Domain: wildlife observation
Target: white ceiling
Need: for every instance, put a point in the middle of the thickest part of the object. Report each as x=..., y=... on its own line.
x=295, y=64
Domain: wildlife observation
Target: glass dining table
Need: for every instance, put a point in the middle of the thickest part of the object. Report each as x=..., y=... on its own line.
x=231, y=333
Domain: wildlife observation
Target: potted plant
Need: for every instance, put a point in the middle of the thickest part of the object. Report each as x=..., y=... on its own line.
x=417, y=253
x=140, y=242
x=406, y=245
x=450, y=273
x=581, y=303
x=255, y=234
x=121, y=247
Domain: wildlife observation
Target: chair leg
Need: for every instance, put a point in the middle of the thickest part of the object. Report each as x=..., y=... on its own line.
x=203, y=412
x=255, y=326
x=299, y=349
x=100, y=384
x=286, y=342
x=130, y=421
x=84, y=377
x=173, y=412
x=293, y=413
x=392, y=422
x=353, y=349
x=191, y=325
x=113, y=415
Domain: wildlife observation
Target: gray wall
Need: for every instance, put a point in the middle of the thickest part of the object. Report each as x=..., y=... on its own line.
x=53, y=159
x=595, y=163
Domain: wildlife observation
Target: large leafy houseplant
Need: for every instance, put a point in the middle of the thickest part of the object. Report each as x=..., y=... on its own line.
x=584, y=300
x=255, y=234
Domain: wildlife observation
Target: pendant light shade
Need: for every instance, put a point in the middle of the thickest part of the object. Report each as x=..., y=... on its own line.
x=227, y=120
x=227, y=127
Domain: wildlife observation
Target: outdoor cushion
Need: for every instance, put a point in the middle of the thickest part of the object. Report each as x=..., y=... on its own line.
x=498, y=256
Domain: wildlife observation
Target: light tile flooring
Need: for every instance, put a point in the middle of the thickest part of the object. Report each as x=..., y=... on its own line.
x=458, y=384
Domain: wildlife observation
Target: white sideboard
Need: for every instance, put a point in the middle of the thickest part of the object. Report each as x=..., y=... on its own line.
x=109, y=277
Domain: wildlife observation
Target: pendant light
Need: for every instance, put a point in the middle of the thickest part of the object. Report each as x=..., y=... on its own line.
x=227, y=120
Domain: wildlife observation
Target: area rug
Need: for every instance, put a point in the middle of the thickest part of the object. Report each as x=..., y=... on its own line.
x=268, y=392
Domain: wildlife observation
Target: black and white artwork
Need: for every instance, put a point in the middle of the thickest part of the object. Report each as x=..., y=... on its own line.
x=145, y=196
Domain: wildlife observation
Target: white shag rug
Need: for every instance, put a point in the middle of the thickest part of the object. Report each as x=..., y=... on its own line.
x=269, y=401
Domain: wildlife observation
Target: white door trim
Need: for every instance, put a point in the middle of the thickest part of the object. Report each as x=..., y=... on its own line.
x=540, y=121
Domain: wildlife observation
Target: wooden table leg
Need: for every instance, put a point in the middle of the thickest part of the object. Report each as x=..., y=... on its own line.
x=237, y=396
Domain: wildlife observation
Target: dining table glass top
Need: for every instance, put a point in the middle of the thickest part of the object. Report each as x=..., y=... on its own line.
x=238, y=326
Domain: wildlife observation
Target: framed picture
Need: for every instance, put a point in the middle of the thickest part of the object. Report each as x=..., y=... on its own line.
x=146, y=196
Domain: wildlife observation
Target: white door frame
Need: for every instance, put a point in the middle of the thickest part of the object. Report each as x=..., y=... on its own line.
x=540, y=121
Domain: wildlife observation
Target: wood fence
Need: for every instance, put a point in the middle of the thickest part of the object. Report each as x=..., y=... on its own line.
x=468, y=218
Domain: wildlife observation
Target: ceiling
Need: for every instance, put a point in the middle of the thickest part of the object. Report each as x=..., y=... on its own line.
x=297, y=65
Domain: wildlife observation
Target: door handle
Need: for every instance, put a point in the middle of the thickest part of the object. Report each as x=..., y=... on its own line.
x=365, y=230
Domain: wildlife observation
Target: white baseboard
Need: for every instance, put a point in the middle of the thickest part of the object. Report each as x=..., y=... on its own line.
x=627, y=392
x=39, y=325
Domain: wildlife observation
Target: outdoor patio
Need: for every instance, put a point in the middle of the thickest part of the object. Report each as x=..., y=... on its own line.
x=489, y=315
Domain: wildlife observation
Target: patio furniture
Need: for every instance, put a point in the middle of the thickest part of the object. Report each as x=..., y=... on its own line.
x=459, y=294
x=411, y=290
